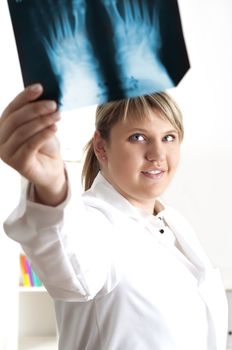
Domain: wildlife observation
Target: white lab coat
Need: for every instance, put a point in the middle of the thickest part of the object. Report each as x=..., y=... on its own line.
x=117, y=282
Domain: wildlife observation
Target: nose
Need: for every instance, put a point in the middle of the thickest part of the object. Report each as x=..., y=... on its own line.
x=155, y=153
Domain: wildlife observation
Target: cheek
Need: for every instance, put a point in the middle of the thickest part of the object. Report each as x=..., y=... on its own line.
x=120, y=156
x=122, y=164
x=174, y=159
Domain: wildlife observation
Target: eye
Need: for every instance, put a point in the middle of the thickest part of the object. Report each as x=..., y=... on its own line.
x=169, y=138
x=137, y=137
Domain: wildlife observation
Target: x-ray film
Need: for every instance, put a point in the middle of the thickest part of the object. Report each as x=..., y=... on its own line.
x=88, y=52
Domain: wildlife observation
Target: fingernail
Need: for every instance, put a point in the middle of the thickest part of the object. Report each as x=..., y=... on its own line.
x=56, y=116
x=50, y=106
x=36, y=88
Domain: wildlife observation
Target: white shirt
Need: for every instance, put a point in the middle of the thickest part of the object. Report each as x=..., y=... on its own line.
x=117, y=281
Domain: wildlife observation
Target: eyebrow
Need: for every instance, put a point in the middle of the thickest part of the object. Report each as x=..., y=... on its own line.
x=172, y=131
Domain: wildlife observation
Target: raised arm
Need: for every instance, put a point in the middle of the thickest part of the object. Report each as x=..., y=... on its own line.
x=29, y=145
x=60, y=240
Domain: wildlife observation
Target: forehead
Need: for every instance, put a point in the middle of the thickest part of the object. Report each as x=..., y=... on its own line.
x=152, y=116
x=151, y=119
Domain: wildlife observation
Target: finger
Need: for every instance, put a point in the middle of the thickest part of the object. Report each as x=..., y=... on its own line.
x=24, y=115
x=21, y=160
x=28, y=149
x=29, y=94
x=25, y=132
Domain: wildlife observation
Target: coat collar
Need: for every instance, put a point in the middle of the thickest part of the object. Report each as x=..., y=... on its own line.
x=105, y=192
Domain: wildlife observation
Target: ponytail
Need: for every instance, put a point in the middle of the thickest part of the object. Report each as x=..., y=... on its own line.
x=90, y=167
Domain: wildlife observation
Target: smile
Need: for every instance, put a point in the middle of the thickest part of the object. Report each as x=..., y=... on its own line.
x=154, y=174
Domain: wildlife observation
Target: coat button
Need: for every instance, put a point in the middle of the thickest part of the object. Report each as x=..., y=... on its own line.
x=161, y=231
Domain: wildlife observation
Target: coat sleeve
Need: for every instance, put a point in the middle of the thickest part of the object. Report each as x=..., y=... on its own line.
x=69, y=246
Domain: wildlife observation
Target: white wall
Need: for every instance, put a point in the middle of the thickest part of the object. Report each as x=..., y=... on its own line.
x=9, y=267
x=202, y=189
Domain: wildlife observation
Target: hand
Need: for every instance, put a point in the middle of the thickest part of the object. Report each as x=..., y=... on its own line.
x=29, y=145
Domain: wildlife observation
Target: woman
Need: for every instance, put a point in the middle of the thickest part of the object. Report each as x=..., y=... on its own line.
x=126, y=272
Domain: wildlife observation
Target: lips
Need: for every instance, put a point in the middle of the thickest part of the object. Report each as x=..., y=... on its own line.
x=154, y=173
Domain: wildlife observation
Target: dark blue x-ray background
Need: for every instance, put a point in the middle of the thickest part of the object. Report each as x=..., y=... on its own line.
x=88, y=52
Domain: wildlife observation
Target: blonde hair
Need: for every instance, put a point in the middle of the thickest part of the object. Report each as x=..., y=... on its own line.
x=108, y=114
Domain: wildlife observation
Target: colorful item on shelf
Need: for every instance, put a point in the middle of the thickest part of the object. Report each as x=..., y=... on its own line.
x=29, y=277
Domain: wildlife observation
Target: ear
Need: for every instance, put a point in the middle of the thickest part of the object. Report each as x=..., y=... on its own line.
x=99, y=145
